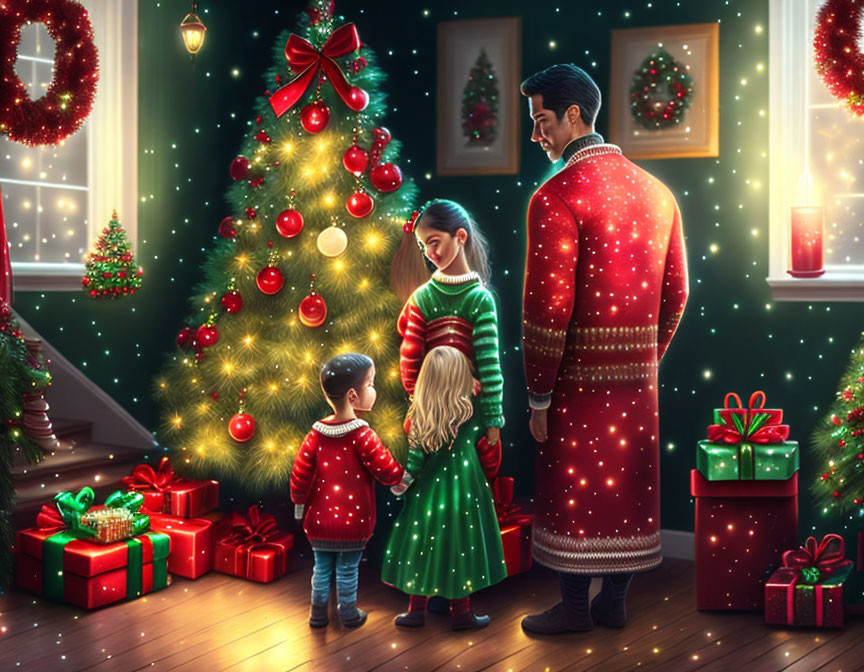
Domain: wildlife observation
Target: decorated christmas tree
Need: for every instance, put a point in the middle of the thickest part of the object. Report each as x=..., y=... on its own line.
x=839, y=443
x=111, y=270
x=480, y=103
x=317, y=198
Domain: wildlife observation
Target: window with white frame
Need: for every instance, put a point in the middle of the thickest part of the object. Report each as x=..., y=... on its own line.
x=817, y=158
x=57, y=198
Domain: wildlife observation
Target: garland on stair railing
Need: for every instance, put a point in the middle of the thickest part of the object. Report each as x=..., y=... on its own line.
x=20, y=375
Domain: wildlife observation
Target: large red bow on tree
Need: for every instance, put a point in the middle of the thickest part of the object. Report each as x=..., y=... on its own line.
x=305, y=59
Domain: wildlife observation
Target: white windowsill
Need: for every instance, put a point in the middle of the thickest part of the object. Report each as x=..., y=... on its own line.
x=833, y=286
x=47, y=277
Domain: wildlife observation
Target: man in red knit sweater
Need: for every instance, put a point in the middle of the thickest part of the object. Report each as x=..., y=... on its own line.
x=605, y=288
x=333, y=485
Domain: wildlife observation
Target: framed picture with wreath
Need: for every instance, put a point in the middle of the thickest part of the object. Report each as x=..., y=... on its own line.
x=664, y=91
x=478, y=96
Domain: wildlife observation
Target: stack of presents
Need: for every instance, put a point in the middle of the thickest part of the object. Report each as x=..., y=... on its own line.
x=747, y=555
x=92, y=555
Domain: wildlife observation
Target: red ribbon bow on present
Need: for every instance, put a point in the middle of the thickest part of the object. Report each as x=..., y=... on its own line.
x=505, y=510
x=252, y=528
x=49, y=519
x=305, y=59
x=759, y=425
x=145, y=478
x=824, y=559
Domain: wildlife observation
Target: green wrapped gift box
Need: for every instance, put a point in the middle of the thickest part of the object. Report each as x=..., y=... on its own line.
x=747, y=461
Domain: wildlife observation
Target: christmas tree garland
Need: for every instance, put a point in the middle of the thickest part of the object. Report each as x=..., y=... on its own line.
x=839, y=60
x=660, y=74
x=21, y=375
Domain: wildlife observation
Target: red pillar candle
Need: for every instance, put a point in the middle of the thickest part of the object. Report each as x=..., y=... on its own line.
x=807, y=241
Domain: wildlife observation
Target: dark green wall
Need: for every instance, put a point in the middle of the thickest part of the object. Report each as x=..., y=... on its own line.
x=794, y=351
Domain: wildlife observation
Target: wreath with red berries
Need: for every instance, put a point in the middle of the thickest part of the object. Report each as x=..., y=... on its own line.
x=69, y=98
x=839, y=60
x=661, y=92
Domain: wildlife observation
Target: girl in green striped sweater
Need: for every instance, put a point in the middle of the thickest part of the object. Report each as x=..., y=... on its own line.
x=454, y=308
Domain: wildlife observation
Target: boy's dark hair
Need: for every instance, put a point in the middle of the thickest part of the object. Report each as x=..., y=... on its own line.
x=344, y=372
x=564, y=85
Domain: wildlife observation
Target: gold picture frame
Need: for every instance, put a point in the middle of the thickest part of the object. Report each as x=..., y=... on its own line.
x=695, y=45
x=459, y=47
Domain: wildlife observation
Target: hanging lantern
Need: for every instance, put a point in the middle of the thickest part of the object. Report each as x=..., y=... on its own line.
x=192, y=29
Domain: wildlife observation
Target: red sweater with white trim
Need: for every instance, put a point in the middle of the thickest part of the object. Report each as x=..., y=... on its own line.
x=334, y=476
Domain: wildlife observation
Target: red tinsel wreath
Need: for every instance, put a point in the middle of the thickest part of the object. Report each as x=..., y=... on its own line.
x=839, y=61
x=69, y=99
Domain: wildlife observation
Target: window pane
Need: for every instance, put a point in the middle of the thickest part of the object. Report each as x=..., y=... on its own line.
x=837, y=168
x=36, y=43
x=44, y=188
x=44, y=224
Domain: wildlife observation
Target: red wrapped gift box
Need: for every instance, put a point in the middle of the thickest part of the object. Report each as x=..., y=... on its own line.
x=742, y=529
x=808, y=588
x=90, y=575
x=515, y=527
x=191, y=544
x=789, y=602
x=165, y=492
x=251, y=547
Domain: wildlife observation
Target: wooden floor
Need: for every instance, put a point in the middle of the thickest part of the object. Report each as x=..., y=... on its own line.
x=222, y=623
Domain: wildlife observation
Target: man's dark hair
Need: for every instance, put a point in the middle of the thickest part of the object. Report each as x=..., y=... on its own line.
x=344, y=372
x=564, y=85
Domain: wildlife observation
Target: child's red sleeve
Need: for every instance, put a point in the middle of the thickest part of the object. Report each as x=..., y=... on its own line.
x=378, y=459
x=490, y=457
x=303, y=471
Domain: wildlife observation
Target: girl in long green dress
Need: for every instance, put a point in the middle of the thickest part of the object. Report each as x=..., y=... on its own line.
x=446, y=540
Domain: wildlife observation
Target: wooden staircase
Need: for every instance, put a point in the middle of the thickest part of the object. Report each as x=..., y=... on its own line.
x=78, y=462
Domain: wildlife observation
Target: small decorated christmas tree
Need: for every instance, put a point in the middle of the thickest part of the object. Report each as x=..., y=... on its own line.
x=480, y=103
x=111, y=269
x=839, y=442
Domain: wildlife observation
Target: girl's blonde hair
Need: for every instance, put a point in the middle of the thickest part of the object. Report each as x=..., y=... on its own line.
x=410, y=268
x=442, y=399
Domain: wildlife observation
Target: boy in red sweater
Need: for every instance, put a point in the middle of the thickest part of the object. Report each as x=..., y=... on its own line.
x=333, y=484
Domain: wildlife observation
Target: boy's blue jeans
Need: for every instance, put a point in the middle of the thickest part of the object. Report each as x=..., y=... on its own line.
x=346, y=564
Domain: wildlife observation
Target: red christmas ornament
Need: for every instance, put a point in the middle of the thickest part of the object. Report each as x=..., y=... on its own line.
x=185, y=336
x=386, y=177
x=313, y=310
x=382, y=135
x=241, y=427
x=240, y=168
x=356, y=160
x=289, y=223
x=358, y=99
x=262, y=136
x=206, y=336
x=232, y=302
x=226, y=228
x=270, y=280
x=360, y=204
x=251, y=213
x=314, y=117
x=256, y=181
